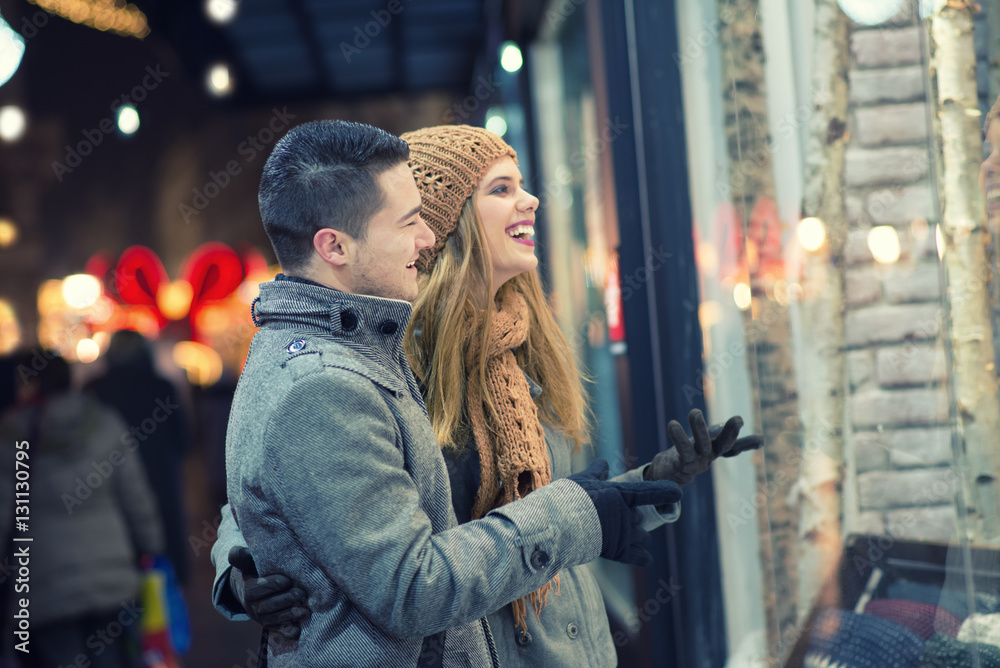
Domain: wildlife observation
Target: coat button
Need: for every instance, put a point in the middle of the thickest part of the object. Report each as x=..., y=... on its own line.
x=296, y=346
x=523, y=638
x=388, y=327
x=348, y=321
x=572, y=630
x=539, y=558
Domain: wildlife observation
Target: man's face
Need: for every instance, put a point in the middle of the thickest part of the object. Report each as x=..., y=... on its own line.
x=383, y=266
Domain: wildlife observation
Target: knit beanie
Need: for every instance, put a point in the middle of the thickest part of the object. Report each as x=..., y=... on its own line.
x=447, y=162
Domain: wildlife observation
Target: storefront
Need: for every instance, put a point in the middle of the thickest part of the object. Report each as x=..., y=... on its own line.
x=771, y=209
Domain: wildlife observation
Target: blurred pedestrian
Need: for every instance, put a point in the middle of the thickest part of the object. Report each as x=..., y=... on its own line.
x=156, y=425
x=90, y=514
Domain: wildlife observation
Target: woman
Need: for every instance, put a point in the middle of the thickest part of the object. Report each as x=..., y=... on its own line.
x=500, y=384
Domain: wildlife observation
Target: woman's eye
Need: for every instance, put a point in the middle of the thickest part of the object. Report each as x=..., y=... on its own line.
x=501, y=190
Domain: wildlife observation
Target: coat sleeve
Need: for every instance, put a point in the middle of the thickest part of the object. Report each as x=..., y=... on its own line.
x=333, y=465
x=135, y=497
x=651, y=517
x=229, y=536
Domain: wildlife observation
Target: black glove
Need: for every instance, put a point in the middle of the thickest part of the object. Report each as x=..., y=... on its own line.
x=274, y=601
x=686, y=459
x=622, y=536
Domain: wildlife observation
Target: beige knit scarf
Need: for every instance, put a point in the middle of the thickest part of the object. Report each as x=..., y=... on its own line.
x=513, y=458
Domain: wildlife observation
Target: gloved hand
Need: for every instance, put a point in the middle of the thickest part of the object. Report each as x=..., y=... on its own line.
x=274, y=601
x=686, y=459
x=622, y=536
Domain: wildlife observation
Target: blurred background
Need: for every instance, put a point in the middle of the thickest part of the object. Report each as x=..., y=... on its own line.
x=782, y=209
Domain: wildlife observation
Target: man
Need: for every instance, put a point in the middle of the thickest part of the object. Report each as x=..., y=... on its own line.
x=333, y=472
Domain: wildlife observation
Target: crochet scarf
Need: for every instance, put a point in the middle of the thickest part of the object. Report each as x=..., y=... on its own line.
x=513, y=458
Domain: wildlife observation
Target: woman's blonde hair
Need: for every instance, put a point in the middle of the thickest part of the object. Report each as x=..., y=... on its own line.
x=439, y=346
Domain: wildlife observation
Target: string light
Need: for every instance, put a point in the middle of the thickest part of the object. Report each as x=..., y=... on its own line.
x=103, y=15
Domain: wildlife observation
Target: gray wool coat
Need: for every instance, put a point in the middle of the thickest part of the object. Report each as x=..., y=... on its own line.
x=92, y=510
x=335, y=478
x=573, y=629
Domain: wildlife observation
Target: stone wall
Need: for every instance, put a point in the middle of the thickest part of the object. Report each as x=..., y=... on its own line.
x=899, y=444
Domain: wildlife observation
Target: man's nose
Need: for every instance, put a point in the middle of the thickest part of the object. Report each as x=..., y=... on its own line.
x=426, y=238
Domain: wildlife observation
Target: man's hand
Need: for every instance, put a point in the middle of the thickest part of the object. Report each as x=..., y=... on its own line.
x=274, y=601
x=689, y=457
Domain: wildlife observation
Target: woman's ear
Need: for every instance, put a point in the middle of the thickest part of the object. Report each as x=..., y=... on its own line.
x=333, y=246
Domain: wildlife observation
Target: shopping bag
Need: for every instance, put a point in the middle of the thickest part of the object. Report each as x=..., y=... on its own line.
x=164, y=625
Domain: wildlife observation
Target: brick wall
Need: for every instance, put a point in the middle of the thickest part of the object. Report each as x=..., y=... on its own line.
x=898, y=406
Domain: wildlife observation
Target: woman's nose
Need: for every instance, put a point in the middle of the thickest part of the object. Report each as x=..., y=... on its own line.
x=529, y=202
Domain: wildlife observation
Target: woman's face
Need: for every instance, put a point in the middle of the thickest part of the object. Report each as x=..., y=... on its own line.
x=989, y=173
x=507, y=211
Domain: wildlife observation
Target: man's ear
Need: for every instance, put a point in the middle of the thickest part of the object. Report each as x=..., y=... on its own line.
x=333, y=246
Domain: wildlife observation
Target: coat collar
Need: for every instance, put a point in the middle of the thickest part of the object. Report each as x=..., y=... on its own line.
x=360, y=320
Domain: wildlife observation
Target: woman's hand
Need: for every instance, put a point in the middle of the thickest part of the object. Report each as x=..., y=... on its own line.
x=690, y=456
x=274, y=602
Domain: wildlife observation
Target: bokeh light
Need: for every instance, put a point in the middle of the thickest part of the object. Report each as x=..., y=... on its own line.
x=870, y=12
x=174, y=299
x=87, y=350
x=510, y=57
x=81, y=290
x=128, y=119
x=12, y=122
x=202, y=364
x=221, y=11
x=218, y=80
x=8, y=232
x=495, y=122
x=883, y=242
x=742, y=296
x=811, y=234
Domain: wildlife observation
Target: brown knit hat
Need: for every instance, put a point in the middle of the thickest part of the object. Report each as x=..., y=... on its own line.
x=447, y=162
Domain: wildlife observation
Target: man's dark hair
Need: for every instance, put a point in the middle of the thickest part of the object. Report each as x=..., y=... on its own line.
x=324, y=174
